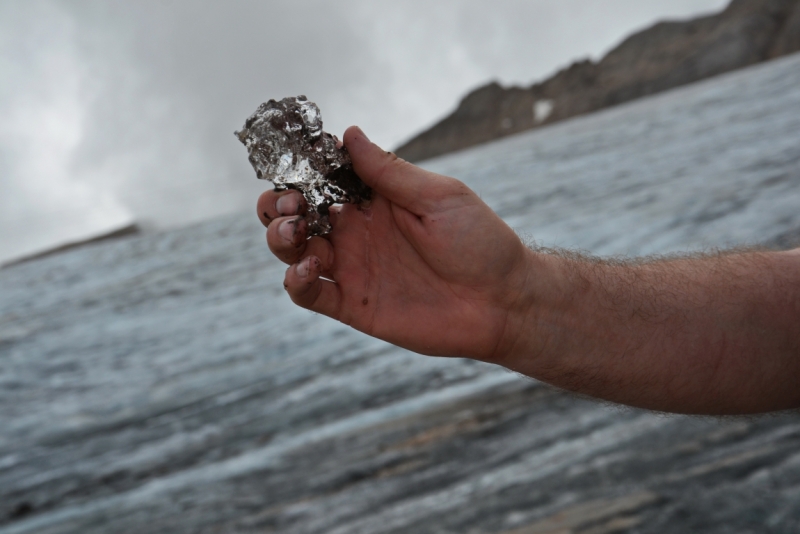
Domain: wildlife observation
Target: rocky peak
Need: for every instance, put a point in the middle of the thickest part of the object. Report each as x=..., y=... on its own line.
x=664, y=56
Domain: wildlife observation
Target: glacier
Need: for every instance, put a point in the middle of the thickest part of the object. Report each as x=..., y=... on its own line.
x=165, y=382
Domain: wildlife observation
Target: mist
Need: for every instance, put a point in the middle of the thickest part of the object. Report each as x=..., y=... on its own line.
x=117, y=112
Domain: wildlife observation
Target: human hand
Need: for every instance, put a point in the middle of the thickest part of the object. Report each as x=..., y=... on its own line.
x=427, y=265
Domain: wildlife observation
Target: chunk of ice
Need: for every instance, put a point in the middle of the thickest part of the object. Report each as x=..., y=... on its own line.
x=286, y=145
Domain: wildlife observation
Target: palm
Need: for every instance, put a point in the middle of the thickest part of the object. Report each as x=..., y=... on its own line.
x=425, y=282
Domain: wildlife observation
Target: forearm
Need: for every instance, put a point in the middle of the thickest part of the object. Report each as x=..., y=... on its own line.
x=717, y=334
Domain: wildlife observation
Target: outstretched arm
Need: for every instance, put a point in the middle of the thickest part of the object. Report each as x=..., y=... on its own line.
x=714, y=334
x=429, y=267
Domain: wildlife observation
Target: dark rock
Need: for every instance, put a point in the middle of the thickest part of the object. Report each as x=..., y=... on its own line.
x=664, y=56
x=126, y=231
x=788, y=40
x=20, y=511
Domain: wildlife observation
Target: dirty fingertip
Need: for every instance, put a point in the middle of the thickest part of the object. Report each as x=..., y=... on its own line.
x=308, y=265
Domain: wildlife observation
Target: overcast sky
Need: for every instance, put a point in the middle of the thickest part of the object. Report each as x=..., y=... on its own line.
x=115, y=111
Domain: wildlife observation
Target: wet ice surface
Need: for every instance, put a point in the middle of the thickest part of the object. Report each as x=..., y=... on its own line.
x=165, y=383
x=286, y=145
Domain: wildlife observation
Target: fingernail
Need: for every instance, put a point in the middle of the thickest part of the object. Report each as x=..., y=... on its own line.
x=287, y=229
x=303, y=267
x=287, y=204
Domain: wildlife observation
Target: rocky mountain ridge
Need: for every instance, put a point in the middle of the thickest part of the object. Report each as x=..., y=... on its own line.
x=664, y=56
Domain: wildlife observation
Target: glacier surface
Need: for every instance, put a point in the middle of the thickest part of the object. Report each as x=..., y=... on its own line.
x=165, y=383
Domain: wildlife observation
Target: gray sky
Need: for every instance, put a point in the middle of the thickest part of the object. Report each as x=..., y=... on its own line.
x=116, y=111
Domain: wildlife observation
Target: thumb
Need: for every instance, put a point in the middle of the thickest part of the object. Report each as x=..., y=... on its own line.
x=396, y=179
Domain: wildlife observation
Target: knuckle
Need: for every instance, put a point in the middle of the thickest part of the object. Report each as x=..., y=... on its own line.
x=392, y=164
x=398, y=163
x=305, y=294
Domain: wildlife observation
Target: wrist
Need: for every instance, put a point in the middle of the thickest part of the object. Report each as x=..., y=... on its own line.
x=537, y=311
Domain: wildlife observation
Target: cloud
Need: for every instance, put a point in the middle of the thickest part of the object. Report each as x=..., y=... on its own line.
x=41, y=126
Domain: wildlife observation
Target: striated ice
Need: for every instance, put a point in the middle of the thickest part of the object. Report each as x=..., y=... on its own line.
x=286, y=145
